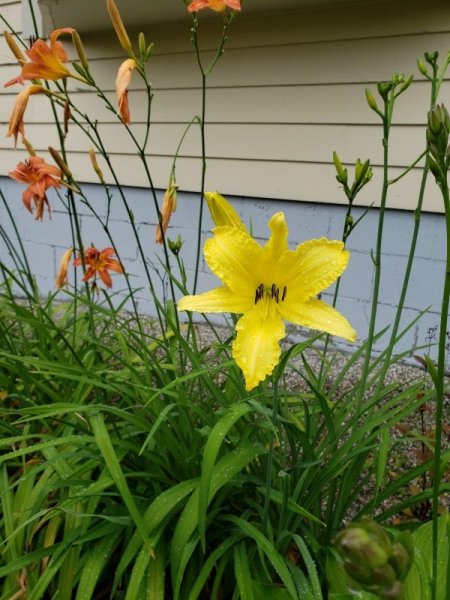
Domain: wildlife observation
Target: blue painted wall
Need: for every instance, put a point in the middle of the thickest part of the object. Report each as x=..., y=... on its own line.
x=46, y=241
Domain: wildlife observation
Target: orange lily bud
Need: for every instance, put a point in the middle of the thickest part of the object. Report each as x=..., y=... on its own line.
x=61, y=277
x=60, y=162
x=14, y=47
x=169, y=206
x=80, y=50
x=95, y=166
x=31, y=151
x=119, y=27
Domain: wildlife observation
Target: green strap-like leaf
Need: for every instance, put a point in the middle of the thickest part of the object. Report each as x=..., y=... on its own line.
x=212, y=447
x=242, y=572
x=223, y=472
x=277, y=561
x=105, y=446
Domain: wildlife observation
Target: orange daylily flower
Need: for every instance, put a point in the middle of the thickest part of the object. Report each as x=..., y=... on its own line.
x=123, y=81
x=99, y=262
x=46, y=60
x=16, y=124
x=169, y=206
x=39, y=176
x=61, y=277
x=216, y=5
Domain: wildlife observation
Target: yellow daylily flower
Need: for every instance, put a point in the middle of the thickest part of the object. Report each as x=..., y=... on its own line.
x=269, y=285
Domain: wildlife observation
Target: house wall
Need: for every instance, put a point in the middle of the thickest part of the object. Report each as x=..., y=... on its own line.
x=288, y=91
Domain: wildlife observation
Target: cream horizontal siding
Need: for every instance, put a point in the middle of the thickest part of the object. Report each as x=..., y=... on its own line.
x=288, y=91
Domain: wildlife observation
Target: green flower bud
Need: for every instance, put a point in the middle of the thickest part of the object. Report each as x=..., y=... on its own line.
x=434, y=120
x=342, y=174
x=437, y=135
x=400, y=560
x=361, y=547
x=406, y=84
x=149, y=51
x=175, y=245
x=372, y=561
x=435, y=168
x=371, y=100
x=402, y=554
x=384, y=87
x=395, y=592
x=142, y=44
x=431, y=57
x=422, y=67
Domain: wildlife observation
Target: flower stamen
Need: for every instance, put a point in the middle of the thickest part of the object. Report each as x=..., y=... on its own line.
x=274, y=292
x=259, y=293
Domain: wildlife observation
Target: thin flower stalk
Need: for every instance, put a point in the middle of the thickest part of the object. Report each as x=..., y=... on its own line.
x=388, y=92
x=204, y=72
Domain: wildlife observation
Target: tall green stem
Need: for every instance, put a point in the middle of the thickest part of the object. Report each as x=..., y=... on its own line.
x=440, y=393
x=204, y=74
x=269, y=471
x=387, y=118
x=406, y=278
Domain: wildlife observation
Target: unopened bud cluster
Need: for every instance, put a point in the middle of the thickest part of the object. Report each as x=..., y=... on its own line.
x=438, y=130
x=363, y=174
x=373, y=561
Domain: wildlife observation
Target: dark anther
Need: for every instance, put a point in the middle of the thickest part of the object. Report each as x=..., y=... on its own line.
x=284, y=293
x=273, y=290
x=277, y=295
x=259, y=293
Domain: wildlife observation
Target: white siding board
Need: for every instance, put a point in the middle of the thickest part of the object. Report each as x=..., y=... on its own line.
x=300, y=105
x=290, y=143
x=342, y=62
x=11, y=13
x=312, y=182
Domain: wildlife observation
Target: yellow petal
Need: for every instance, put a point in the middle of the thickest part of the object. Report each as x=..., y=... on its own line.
x=218, y=300
x=313, y=266
x=235, y=258
x=222, y=213
x=256, y=349
x=315, y=314
x=277, y=244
